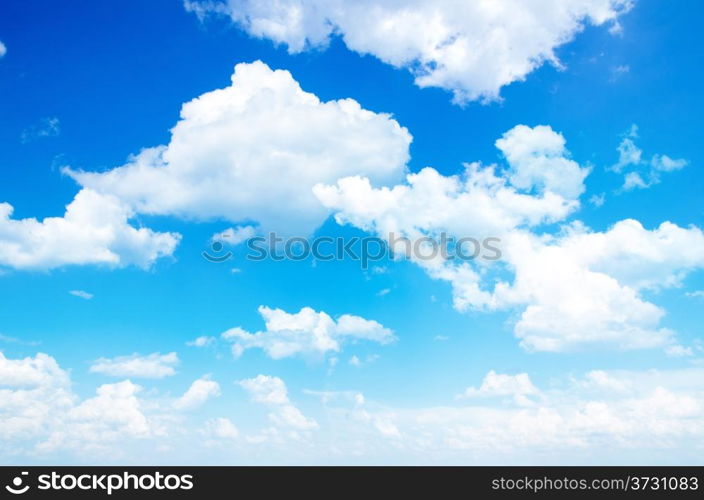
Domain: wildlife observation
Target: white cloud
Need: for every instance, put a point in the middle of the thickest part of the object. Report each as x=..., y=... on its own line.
x=539, y=159
x=233, y=236
x=634, y=180
x=3, y=49
x=271, y=391
x=114, y=404
x=47, y=127
x=253, y=151
x=663, y=163
x=677, y=351
x=41, y=370
x=94, y=230
x=604, y=381
x=597, y=200
x=202, y=341
x=39, y=413
x=197, y=394
x=641, y=173
x=573, y=419
x=112, y=416
x=81, y=294
x=306, y=332
x=470, y=48
x=430, y=202
x=154, y=365
x=33, y=391
x=618, y=71
x=518, y=386
x=583, y=287
x=221, y=428
x=628, y=152
x=267, y=390
x=575, y=287
x=577, y=420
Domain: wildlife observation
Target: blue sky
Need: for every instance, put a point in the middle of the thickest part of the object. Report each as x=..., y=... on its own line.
x=85, y=86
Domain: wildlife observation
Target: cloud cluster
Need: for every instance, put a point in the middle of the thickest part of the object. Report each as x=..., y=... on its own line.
x=38, y=406
x=472, y=49
x=574, y=286
x=506, y=417
x=253, y=152
x=599, y=411
x=249, y=152
x=640, y=173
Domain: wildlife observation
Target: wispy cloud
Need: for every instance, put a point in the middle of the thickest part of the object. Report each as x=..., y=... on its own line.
x=47, y=127
x=82, y=294
x=154, y=365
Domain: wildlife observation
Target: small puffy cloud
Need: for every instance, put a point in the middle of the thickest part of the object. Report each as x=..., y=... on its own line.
x=271, y=391
x=663, y=163
x=634, y=180
x=221, y=428
x=253, y=151
x=154, y=365
x=94, y=230
x=197, y=394
x=498, y=384
x=306, y=332
x=640, y=173
x=235, y=235
x=539, y=159
x=597, y=200
x=628, y=153
x=3, y=49
x=472, y=49
x=265, y=389
x=202, y=341
x=81, y=294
